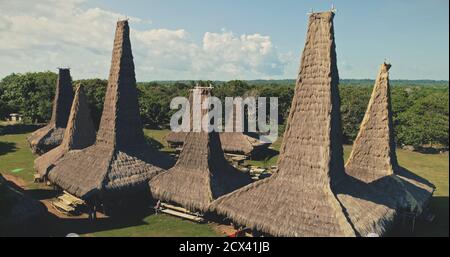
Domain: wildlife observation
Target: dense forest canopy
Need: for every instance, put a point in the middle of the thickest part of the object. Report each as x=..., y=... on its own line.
x=420, y=107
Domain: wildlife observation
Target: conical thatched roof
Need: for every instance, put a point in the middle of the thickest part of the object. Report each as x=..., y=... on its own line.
x=50, y=136
x=80, y=133
x=373, y=161
x=298, y=200
x=201, y=173
x=373, y=154
x=120, y=159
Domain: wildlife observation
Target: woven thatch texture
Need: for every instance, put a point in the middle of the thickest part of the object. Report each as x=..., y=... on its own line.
x=200, y=175
x=176, y=138
x=298, y=200
x=373, y=154
x=373, y=158
x=120, y=160
x=50, y=136
x=80, y=133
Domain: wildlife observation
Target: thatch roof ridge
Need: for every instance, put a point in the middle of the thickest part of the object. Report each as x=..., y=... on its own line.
x=80, y=133
x=120, y=160
x=200, y=175
x=50, y=136
x=373, y=154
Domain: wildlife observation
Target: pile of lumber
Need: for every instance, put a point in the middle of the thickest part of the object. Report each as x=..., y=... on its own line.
x=180, y=212
x=68, y=204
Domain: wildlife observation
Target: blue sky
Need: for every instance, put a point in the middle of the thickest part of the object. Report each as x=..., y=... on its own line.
x=218, y=39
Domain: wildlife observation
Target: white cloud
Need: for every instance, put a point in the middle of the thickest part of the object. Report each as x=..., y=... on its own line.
x=42, y=36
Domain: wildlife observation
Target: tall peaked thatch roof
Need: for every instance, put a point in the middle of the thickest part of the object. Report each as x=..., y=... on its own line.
x=80, y=133
x=50, y=136
x=298, y=200
x=201, y=173
x=311, y=195
x=373, y=154
x=120, y=159
x=373, y=161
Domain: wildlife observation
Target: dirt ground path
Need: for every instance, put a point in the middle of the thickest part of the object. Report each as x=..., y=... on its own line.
x=16, y=180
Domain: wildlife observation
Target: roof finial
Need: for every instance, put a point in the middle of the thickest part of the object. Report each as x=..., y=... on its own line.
x=333, y=9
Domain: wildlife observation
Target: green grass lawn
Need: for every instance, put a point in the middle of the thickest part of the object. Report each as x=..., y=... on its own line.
x=16, y=159
x=161, y=225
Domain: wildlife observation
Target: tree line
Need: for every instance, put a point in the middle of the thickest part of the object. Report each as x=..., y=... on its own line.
x=420, y=108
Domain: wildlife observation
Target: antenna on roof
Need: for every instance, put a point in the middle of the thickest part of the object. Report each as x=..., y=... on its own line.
x=197, y=85
x=333, y=9
x=311, y=11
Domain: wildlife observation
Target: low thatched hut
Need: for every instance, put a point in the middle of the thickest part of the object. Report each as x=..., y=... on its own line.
x=232, y=142
x=79, y=134
x=201, y=173
x=121, y=160
x=50, y=136
x=311, y=195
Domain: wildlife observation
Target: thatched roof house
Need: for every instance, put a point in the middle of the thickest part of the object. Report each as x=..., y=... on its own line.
x=79, y=134
x=373, y=159
x=298, y=200
x=201, y=173
x=311, y=195
x=233, y=142
x=50, y=136
x=120, y=160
